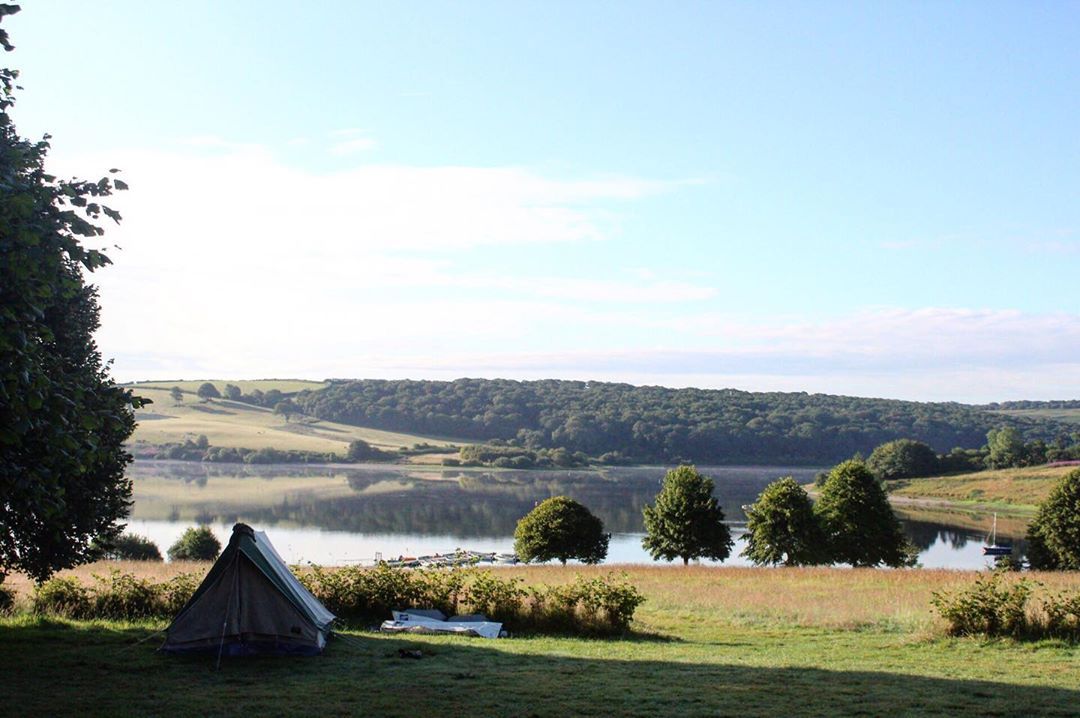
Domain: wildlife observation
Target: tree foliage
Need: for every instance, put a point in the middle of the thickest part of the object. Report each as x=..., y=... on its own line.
x=195, y=544
x=129, y=547
x=63, y=421
x=561, y=528
x=1054, y=534
x=207, y=391
x=1006, y=446
x=233, y=392
x=360, y=450
x=686, y=521
x=656, y=424
x=782, y=528
x=177, y=394
x=860, y=526
x=902, y=459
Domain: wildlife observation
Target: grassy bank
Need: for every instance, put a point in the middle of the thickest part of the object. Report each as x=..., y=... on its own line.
x=1018, y=489
x=707, y=641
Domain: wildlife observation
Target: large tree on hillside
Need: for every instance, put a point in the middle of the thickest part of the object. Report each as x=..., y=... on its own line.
x=62, y=419
x=686, y=521
x=860, y=526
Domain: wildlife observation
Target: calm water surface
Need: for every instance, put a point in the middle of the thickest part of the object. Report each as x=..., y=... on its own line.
x=334, y=516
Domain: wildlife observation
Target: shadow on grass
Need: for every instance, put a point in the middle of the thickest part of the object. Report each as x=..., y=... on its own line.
x=53, y=668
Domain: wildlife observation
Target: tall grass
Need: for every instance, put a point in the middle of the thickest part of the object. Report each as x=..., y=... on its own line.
x=678, y=597
x=1022, y=488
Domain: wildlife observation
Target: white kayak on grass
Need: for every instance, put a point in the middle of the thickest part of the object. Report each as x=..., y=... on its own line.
x=405, y=622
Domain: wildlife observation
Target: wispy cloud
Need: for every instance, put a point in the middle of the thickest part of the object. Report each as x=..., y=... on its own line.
x=239, y=265
x=354, y=145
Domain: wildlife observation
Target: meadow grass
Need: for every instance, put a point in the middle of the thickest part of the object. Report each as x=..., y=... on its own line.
x=237, y=424
x=707, y=641
x=1022, y=489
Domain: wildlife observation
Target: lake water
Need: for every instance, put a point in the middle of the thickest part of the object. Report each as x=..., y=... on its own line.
x=336, y=516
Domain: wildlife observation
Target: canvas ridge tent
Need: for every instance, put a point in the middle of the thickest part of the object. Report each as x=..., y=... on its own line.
x=250, y=603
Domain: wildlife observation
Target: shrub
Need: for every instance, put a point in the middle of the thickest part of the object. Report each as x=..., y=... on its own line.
x=360, y=450
x=7, y=600
x=989, y=607
x=598, y=606
x=176, y=592
x=196, y=544
x=63, y=597
x=131, y=547
x=496, y=598
x=1062, y=613
x=123, y=596
x=120, y=596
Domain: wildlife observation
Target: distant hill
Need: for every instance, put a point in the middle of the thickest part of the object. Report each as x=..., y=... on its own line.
x=657, y=424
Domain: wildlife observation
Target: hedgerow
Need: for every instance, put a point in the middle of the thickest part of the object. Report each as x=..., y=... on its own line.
x=120, y=596
x=602, y=605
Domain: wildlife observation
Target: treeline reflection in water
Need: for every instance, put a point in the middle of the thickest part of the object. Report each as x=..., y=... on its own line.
x=468, y=504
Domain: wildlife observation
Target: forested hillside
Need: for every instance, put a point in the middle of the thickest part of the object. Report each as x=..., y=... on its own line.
x=648, y=424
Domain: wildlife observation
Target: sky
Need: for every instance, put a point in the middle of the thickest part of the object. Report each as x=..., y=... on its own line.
x=876, y=199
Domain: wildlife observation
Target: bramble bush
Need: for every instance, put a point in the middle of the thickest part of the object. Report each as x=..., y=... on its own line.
x=119, y=596
x=63, y=597
x=995, y=607
x=987, y=607
x=601, y=605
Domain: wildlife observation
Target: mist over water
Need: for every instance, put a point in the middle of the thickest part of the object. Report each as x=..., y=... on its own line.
x=331, y=516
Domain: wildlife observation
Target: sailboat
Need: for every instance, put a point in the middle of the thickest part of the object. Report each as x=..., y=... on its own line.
x=994, y=548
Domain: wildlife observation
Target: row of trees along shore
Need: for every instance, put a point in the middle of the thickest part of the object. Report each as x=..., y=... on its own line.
x=850, y=523
x=620, y=423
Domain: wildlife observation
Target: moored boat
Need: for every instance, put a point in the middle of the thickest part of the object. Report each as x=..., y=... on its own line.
x=993, y=548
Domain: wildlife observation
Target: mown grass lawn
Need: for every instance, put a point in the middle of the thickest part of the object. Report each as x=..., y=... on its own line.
x=708, y=642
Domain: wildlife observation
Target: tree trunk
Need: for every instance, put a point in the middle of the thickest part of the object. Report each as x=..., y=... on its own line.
x=685, y=561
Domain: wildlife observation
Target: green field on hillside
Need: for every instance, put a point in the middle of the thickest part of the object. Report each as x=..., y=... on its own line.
x=285, y=386
x=708, y=641
x=1020, y=488
x=238, y=424
x=1071, y=416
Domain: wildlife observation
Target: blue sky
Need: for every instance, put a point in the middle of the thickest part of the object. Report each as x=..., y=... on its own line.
x=876, y=199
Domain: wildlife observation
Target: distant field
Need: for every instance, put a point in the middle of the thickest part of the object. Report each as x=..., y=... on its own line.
x=1022, y=488
x=1069, y=415
x=286, y=386
x=236, y=424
